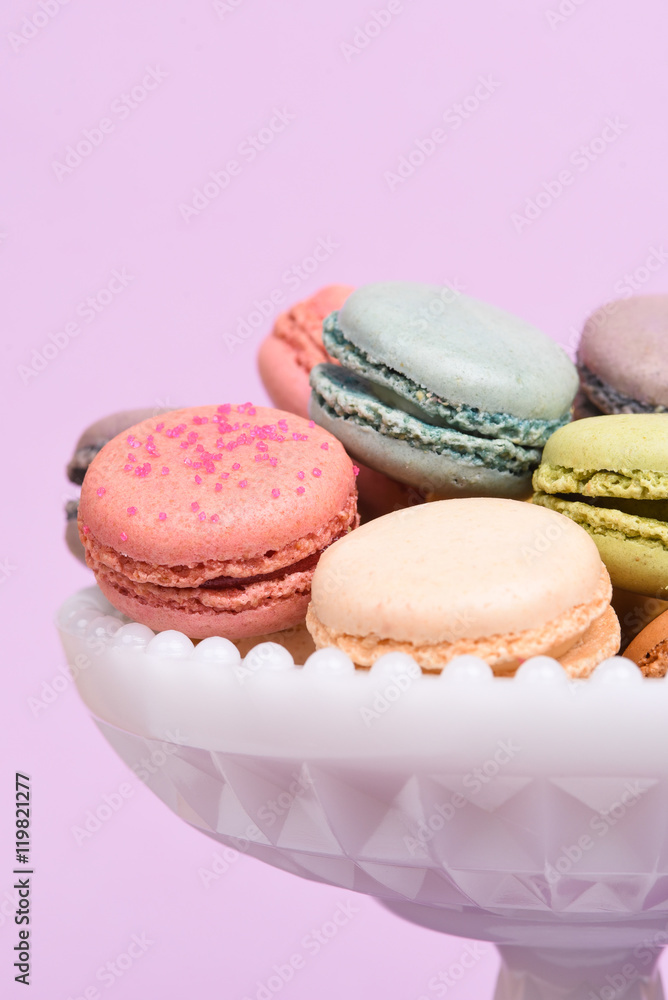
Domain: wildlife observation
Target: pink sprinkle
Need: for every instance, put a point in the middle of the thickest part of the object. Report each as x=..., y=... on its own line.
x=236, y=466
x=200, y=420
x=131, y=458
x=133, y=441
x=300, y=489
x=142, y=470
x=300, y=475
x=251, y=412
x=85, y=529
x=128, y=468
x=219, y=487
x=262, y=446
x=192, y=437
x=324, y=446
x=202, y=516
x=356, y=470
x=225, y=408
x=157, y=430
x=124, y=537
x=296, y=436
x=317, y=473
x=132, y=510
x=214, y=518
x=198, y=479
x=165, y=470
x=194, y=506
x=187, y=461
x=273, y=461
x=200, y=447
x=184, y=444
x=162, y=516
x=217, y=457
x=275, y=493
x=101, y=491
x=243, y=482
x=282, y=425
x=224, y=475
x=311, y=423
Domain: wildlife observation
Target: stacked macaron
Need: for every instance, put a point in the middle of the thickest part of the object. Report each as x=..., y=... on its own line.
x=211, y=520
x=493, y=578
x=440, y=391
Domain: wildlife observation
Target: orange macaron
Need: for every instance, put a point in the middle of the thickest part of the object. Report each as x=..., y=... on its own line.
x=210, y=520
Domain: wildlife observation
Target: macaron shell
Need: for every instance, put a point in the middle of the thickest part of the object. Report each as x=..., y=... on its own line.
x=463, y=350
x=625, y=343
x=647, y=641
x=619, y=443
x=264, y=505
x=267, y=618
x=423, y=469
x=286, y=381
x=456, y=569
x=294, y=346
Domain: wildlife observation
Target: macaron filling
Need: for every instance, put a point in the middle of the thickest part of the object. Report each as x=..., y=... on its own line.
x=629, y=503
x=611, y=400
x=340, y=393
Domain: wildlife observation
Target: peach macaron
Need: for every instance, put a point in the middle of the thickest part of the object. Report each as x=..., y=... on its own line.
x=494, y=578
x=210, y=520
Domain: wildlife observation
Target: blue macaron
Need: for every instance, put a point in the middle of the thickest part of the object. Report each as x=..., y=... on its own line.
x=440, y=391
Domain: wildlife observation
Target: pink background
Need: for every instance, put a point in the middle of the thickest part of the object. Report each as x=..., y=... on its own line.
x=165, y=340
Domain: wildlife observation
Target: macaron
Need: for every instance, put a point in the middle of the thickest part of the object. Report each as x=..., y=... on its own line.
x=490, y=577
x=92, y=440
x=622, y=357
x=610, y=475
x=440, y=391
x=210, y=520
x=294, y=346
x=650, y=649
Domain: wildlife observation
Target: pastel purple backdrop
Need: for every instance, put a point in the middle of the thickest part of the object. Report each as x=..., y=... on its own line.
x=515, y=150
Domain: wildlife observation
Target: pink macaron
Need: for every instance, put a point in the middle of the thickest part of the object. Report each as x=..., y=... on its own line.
x=285, y=360
x=211, y=520
x=295, y=346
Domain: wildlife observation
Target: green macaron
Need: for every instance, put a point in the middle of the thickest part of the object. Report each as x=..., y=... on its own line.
x=610, y=474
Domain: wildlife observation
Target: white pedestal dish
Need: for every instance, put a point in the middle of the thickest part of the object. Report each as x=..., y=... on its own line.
x=531, y=812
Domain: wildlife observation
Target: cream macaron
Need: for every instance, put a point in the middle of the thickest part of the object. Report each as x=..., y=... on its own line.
x=495, y=578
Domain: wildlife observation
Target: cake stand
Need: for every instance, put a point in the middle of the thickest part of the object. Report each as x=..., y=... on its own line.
x=530, y=812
